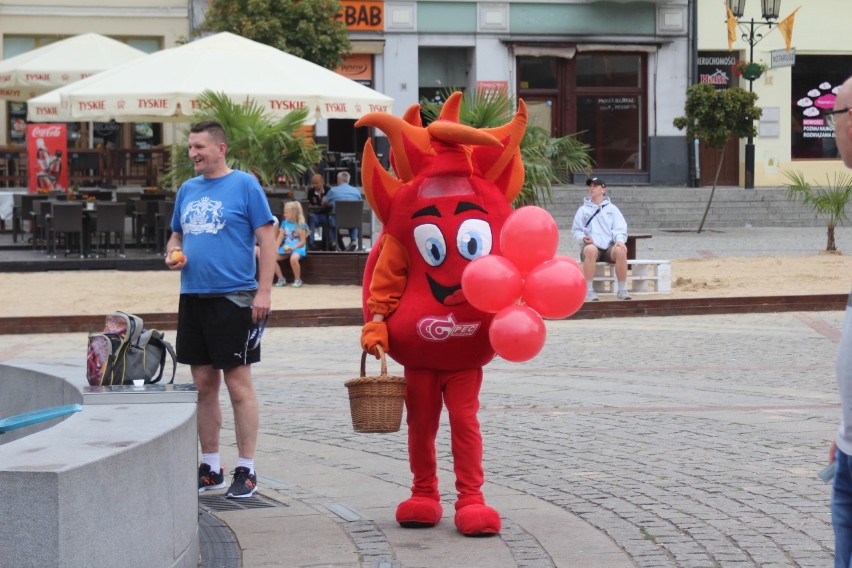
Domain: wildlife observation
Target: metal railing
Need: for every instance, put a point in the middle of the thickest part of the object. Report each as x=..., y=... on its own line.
x=93, y=167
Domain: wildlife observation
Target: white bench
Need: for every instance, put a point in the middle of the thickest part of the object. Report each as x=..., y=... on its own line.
x=643, y=277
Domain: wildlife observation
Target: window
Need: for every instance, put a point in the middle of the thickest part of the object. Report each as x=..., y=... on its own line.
x=537, y=72
x=816, y=79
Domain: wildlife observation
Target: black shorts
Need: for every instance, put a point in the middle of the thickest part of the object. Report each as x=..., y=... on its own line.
x=604, y=255
x=214, y=331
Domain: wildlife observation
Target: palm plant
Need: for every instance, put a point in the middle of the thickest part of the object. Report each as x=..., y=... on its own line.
x=827, y=202
x=546, y=160
x=267, y=147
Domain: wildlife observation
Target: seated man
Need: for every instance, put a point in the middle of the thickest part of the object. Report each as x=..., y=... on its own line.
x=318, y=214
x=601, y=231
x=342, y=191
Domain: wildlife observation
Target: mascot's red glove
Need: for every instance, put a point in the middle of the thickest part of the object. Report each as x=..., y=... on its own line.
x=372, y=334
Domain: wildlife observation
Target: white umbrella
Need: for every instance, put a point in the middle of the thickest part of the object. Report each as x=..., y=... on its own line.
x=61, y=63
x=165, y=86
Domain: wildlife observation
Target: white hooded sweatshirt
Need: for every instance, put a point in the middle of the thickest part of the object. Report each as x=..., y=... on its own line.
x=604, y=223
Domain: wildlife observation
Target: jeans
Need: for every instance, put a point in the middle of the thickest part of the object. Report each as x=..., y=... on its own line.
x=841, y=511
x=316, y=220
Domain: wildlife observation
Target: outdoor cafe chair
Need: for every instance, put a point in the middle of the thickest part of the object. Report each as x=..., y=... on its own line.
x=162, y=224
x=42, y=212
x=347, y=215
x=67, y=219
x=108, y=220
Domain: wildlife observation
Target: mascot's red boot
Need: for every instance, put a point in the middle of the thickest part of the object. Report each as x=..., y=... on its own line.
x=452, y=192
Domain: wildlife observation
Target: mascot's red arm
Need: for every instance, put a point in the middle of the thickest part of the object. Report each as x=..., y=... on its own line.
x=386, y=288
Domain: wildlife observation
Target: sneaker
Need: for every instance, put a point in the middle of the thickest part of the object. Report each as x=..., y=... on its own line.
x=280, y=284
x=244, y=484
x=297, y=284
x=623, y=295
x=256, y=333
x=208, y=479
x=591, y=296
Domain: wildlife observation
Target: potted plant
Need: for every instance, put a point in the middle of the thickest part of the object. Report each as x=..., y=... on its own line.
x=267, y=147
x=748, y=71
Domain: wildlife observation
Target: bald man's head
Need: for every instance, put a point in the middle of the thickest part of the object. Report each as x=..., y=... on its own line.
x=843, y=122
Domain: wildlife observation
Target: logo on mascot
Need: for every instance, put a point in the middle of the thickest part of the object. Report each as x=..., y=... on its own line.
x=441, y=328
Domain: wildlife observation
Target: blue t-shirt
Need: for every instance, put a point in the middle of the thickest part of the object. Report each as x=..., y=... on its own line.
x=343, y=191
x=217, y=218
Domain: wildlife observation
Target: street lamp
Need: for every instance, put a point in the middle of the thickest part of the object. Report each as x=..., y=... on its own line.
x=751, y=34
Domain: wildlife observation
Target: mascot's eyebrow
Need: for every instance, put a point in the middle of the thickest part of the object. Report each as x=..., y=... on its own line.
x=468, y=206
x=431, y=210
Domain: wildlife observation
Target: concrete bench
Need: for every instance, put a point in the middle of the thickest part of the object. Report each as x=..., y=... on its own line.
x=112, y=484
x=643, y=277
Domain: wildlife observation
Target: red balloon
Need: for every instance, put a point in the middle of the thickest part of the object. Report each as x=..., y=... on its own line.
x=555, y=289
x=529, y=237
x=573, y=261
x=491, y=283
x=517, y=333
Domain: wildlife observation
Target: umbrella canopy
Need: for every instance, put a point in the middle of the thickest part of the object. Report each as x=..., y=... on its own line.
x=61, y=63
x=165, y=85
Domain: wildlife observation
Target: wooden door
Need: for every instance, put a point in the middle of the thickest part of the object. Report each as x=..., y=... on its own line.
x=709, y=161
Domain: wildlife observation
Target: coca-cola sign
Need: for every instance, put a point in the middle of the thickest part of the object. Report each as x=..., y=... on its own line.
x=47, y=158
x=46, y=131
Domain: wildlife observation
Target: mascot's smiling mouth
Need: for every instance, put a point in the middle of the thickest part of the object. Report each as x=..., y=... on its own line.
x=447, y=295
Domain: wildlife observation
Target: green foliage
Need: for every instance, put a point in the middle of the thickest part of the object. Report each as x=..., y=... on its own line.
x=829, y=202
x=304, y=28
x=546, y=160
x=714, y=116
x=265, y=146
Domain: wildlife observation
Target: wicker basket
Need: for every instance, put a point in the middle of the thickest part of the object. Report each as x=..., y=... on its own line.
x=376, y=402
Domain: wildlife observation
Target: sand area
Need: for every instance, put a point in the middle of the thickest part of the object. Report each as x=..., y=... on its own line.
x=99, y=292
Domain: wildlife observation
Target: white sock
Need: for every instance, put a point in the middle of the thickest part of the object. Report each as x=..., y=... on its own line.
x=212, y=460
x=622, y=284
x=590, y=286
x=246, y=462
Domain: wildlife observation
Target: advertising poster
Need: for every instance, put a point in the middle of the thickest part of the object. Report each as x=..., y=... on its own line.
x=714, y=68
x=47, y=156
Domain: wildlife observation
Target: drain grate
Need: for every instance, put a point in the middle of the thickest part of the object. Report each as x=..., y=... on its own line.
x=221, y=503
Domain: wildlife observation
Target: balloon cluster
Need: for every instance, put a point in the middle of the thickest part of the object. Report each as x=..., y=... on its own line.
x=524, y=285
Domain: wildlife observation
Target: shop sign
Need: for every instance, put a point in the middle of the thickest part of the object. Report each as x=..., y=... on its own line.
x=47, y=156
x=714, y=68
x=811, y=110
x=358, y=67
x=781, y=58
x=499, y=86
x=362, y=15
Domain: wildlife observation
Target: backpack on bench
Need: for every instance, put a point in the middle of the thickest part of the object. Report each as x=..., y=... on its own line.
x=124, y=351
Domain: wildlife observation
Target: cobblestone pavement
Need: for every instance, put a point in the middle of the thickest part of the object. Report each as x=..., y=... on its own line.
x=689, y=441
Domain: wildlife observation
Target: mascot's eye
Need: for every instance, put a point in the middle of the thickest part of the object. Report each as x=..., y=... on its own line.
x=474, y=238
x=430, y=243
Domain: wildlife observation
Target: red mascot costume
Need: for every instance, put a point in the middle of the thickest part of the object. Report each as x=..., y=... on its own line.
x=452, y=192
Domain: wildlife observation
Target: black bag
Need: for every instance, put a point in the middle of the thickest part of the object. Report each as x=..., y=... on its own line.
x=125, y=352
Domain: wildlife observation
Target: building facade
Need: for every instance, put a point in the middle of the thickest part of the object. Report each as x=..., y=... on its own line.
x=793, y=133
x=615, y=72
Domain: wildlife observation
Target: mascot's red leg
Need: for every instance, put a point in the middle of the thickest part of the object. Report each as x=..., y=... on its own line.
x=423, y=408
x=461, y=395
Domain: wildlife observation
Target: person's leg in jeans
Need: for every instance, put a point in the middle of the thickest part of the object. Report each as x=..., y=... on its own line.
x=841, y=511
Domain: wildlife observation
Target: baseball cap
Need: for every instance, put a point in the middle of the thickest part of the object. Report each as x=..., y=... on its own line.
x=595, y=180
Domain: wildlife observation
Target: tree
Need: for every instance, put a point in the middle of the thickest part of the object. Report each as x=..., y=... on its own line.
x=714, y=116
x=266, y=147
x=828, y=202
x=304, y=28
x=546, y=160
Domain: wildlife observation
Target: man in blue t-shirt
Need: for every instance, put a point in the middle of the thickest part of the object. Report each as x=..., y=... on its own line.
x=345, y=192
x=219, y=216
